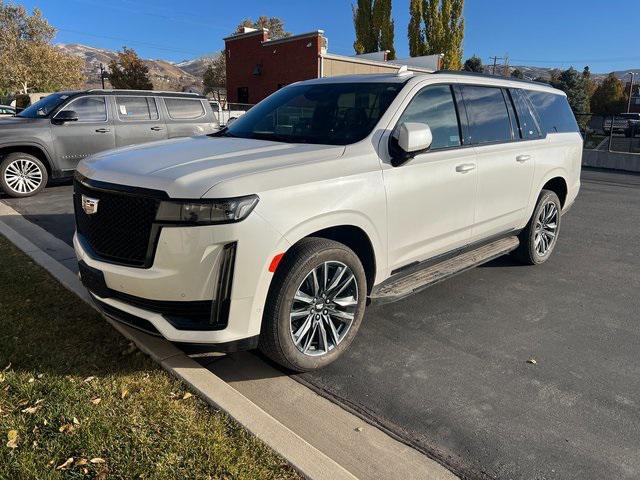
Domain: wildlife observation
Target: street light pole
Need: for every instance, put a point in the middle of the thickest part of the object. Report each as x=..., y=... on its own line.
x=633, y=74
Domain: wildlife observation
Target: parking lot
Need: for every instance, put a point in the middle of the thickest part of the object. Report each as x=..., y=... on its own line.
x=447, y=370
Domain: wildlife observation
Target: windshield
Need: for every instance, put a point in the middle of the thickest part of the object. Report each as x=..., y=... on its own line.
x=329, y=114
x=43, y=107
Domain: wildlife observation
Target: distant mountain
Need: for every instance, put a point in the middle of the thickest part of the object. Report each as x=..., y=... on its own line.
x=187, y=75
x=164, y=75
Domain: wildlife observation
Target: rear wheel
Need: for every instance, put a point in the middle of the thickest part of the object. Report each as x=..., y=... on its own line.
x=22, y=175
x=540, y=236
x=315, y=305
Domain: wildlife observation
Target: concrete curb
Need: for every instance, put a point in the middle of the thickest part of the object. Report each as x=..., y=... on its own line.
x=303, y=456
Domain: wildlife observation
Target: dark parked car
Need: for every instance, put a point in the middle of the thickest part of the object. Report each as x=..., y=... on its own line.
x=627, y=123
x=50, y=137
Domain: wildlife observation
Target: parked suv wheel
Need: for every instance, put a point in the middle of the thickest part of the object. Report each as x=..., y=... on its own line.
x=540, y=236
x=315, y=305
x=22, y=175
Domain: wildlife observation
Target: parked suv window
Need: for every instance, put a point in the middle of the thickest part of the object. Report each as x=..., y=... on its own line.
x=434, y=106
x=89, y=109
x=554, y=112
x=137, y=108
x=181, y=108
x=526, y=122
x=487, y=113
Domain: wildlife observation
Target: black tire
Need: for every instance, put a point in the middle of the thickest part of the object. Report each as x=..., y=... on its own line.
x=276, y=339
x=527, y=252
x=29, y=190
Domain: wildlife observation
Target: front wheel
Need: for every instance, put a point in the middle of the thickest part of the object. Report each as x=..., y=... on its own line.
x=22, y=175
x=540, y=236
x=315, y=305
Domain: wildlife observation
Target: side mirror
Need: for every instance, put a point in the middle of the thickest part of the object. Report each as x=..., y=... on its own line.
x=407, y=140
x=66, y=116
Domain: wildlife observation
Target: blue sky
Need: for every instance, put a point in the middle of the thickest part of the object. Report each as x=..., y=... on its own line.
x=556, y=33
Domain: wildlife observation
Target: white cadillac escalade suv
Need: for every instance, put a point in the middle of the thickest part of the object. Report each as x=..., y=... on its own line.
x=276, y=231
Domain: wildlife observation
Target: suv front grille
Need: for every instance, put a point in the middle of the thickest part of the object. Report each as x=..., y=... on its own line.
x=122, y=230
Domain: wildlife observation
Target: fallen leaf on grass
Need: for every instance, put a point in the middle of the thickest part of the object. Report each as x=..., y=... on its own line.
x=12, y=439
x=187, y=396
x=40, y=375
x=97, y=460
x=7, y=367
x=31, y=410
x=81, y=462
x=66, y=428
x=66, y=464
x=96, y=400
x=124, y=393
x=31, y=380
x=1, y=377
x=88, y=379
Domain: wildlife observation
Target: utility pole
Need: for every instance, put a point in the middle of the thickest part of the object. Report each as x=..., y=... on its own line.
x=495, y=61
x=633, y=75
x=102, y=75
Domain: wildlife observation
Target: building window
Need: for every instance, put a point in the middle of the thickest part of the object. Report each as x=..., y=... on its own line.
x=243, y=94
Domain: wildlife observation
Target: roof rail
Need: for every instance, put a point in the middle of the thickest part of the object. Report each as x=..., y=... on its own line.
x=488, y=75
x=126, y=90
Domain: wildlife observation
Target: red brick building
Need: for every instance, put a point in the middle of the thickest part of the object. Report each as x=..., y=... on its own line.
x=258, y=66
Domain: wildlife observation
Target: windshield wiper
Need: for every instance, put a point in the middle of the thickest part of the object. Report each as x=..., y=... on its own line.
x=222, y=133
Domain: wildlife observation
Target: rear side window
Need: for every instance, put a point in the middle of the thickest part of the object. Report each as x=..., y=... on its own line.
x=89, y=109
x=137, y=108
x=526, y=121
x=434, y=106
x=554, y=112
x=182, y=108
x=487, y=114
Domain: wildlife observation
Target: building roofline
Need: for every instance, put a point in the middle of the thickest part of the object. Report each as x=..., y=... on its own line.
x=238, y=36
x=299, y=36
x=334, y=56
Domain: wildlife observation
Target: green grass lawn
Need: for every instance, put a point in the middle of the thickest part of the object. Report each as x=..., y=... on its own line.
x=71, y=387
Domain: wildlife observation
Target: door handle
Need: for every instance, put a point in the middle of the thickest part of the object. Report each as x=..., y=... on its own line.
x=523, y=158
x=465, y=167
x=156, y=129
x=102, y=130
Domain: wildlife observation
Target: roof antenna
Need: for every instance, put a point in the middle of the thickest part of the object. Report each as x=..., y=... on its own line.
x=403, y=70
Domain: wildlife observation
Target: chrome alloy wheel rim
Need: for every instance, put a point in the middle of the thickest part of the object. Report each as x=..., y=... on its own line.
x=546, y=229
x=323, y=308
x=23, y=176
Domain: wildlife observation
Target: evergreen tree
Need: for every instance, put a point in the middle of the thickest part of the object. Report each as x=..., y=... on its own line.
x=415, y=32
x=572, y=83
x=517, y=73
x=374, y=27
x=129, y=71
x=608, y=98
x=473, y=64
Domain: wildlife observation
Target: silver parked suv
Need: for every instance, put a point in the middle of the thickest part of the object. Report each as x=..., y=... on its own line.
x=49, y=138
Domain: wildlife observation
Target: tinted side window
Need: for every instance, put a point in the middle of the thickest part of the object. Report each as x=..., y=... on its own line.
x=554, y=112
x=434, y=106
x=137, y=108
x=89, y=109
x=181, y=108
x=526, y=122
x=487, y=114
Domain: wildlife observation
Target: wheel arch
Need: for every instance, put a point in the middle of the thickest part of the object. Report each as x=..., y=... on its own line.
x=558, y=185
x=32, y=149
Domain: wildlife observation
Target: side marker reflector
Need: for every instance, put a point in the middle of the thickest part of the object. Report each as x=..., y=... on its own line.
x=274, y=263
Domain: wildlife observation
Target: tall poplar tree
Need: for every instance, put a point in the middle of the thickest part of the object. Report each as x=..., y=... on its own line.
x=443, y=30
x=373, y=26
x=415, y=30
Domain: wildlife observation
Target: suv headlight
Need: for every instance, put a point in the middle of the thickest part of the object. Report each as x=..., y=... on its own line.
x=206, y=212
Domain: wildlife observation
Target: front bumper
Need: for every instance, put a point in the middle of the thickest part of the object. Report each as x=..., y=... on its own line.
x=185, y=270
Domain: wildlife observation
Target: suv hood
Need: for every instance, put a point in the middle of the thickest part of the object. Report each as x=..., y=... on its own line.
x=18, y=121
x=190, y=167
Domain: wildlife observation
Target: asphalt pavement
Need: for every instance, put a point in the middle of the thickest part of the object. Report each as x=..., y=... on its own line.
x=449, y=371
